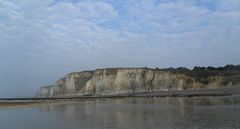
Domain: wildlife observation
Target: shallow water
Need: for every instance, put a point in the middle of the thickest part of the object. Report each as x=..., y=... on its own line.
x=130, y=113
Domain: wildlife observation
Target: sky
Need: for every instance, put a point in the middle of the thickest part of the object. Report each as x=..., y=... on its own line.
x=43, y=40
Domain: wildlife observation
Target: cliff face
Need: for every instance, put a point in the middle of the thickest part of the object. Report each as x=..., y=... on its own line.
x=46, y=91
x=133, y=80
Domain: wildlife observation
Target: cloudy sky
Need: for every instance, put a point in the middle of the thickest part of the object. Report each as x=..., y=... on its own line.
x=42, y=40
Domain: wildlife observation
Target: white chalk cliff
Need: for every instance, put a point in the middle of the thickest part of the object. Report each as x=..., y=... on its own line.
x=134, y=80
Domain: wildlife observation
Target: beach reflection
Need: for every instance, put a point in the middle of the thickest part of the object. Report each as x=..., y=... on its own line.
x=144, y=113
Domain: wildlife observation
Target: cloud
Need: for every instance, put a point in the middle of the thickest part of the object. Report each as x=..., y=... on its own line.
x=61, y=36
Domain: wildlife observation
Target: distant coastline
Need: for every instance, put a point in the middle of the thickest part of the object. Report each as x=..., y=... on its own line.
x=186, y=93
x=133, y=81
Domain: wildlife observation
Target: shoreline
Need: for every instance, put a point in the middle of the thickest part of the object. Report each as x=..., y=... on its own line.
x=186, y=93
x=12, y=103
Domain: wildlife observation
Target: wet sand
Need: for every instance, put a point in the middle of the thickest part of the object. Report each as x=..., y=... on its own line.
x=25, y=102
x=221, y=112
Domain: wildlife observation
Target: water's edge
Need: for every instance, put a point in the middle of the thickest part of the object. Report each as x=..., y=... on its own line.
x=186, y=93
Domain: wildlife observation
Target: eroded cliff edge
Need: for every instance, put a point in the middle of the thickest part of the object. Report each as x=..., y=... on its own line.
x=111, y=81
